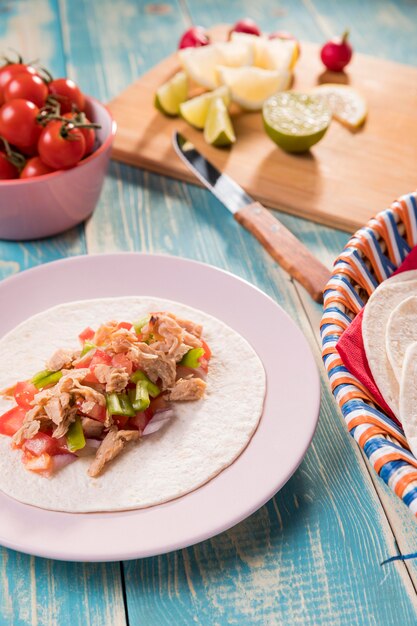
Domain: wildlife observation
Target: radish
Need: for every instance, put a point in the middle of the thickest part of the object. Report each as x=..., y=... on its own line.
x=337, y=53
x=246, y=26
x=194, y=38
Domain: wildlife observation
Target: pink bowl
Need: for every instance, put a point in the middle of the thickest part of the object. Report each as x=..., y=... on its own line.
x=44, y=206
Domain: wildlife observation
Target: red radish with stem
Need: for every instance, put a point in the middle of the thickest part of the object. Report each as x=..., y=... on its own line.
x=337, y=53
x=246, y=25
x=194, y=37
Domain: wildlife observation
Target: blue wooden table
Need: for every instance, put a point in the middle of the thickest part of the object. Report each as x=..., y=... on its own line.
x=313, y=554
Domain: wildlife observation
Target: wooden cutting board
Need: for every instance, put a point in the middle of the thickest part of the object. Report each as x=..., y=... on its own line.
x=342, y=182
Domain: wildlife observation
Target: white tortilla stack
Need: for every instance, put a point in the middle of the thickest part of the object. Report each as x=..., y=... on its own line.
x=390, y=338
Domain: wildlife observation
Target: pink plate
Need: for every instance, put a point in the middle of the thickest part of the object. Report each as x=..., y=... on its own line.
x=275, y=451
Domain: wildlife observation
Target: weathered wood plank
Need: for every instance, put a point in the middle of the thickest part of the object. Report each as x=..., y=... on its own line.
x=38, y=591
x=290, y=562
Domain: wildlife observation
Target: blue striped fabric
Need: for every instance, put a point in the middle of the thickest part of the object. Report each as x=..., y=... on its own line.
x=371, y=255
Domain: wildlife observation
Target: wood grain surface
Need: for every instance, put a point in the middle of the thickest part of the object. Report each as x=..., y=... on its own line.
x=340, y=182
x=312, y=555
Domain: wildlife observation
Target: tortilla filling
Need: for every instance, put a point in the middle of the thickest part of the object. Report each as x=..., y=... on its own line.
x=120, y=386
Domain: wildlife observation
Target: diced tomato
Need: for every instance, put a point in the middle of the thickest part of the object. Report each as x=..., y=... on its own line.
x=157, y=404
x=121, y=360
x=121, y=421
x=141, y=419
x=207, y=351
x=126, y=325
x=98, y=412
x=24, y=393
x=99, y=358
x=42, y=443
x=41, y=464
x=12, y=420
x=87, y=335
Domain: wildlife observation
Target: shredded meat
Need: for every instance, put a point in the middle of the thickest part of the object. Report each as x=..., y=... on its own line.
x=26, y=431
x=163, y=367
x=92, y=428
x=30, y=426
x=112, y=444
x=188, y=389
x=188, y=325
x=56, y=404
x=65, y=423
x=60, y=359
x=115, y=378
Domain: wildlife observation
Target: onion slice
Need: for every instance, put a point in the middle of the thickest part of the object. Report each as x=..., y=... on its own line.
x=60, y=461
x=159, y=419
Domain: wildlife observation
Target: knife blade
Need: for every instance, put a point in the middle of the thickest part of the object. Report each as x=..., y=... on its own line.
x=278, y=241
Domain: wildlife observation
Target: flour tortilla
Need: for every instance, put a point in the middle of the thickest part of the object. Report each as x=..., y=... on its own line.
x=401, y=332
x=203, y=439
x=375, y=319
x=408, y=397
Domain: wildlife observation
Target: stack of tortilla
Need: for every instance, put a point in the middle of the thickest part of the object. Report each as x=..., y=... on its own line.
x=390, y=338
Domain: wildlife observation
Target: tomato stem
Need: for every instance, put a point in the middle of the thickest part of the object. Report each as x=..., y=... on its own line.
x=15, y=158
x=9, y=61
x=47, y=76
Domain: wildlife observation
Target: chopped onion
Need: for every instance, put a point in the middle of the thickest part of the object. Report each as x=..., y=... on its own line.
x=61, y=460
x=189, y=372
x=159, y=419
x=91, y=445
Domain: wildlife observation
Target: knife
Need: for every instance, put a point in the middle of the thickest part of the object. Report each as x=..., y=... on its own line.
x=277, y=240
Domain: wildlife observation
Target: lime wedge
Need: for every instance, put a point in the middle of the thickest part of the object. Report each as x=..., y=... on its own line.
x=347, y=105
x=195, y=111
x=218, y=130
x=170, y=95
x=296, y=121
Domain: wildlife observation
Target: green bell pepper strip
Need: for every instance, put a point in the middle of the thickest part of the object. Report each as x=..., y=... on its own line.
x=119, y=404
x=191, y=358
x=141, y=399
x=153, y=389
x=46, y=377
x=140, y=324
x=75, y=436
x=88, y=345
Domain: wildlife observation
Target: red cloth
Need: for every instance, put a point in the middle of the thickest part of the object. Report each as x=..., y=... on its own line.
x=352, y=352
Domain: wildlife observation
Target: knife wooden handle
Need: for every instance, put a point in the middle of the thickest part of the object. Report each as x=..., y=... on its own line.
x=286, y=249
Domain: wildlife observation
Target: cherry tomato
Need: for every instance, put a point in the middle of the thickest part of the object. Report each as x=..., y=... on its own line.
x=60, y=147
x=35, y=167
x=12, y=420
x=28, y=87
x=9, y=71
x=67, y=93
x=18, y=124
x=24, y=393
x=7, y=169
x=89, y=134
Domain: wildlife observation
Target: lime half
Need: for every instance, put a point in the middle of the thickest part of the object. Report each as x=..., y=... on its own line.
x=195, y=110
x=171, y=94
x=296, y=121
x=218, y=130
